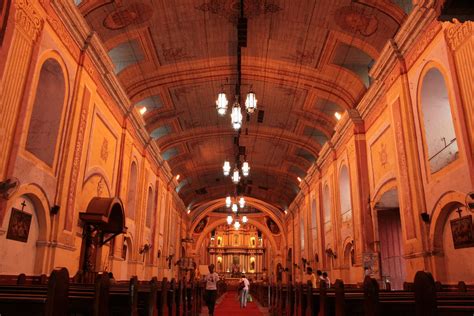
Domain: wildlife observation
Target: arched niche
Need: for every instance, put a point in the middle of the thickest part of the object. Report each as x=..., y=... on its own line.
x=18, y=250
x=46, y=114
x=441, y=146
x=451, y=263
x=345, y=194
x=132, y=190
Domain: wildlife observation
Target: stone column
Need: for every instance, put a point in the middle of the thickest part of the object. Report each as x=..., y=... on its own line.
x=28, y=25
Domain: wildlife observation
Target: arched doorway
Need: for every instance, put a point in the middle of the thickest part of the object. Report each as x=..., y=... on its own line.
x=392, y=264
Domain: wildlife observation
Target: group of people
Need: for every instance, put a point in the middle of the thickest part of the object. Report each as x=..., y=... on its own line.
x=321, y=279
x=210, y=297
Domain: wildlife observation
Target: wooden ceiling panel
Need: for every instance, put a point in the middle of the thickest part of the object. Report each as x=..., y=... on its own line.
x=292, y=62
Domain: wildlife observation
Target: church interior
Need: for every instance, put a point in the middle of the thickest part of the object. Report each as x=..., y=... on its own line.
x=152, y=138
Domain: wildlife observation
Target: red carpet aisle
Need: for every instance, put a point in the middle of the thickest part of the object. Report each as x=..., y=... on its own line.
x=229, y=306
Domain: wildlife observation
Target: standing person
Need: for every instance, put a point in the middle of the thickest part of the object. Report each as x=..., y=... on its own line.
x=326, y=280
x=312, y=277
x=319, y=278
x=244, y=292
x=211, y=289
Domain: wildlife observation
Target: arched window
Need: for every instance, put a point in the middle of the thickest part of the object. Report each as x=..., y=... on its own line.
x=314, y=233
x=47, y=111
x=440, y=137
x=327, y=206
x=149, y=207
x=132, y=191
x=345, y=194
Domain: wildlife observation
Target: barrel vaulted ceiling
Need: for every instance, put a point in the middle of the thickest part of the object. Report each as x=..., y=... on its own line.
x=304, y=59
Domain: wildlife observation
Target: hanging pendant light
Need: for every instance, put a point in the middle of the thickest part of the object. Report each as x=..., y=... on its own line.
x=245, y=219
x=236, y=225
x=226, y=168
x=236, y=116
x=221, y=103
x=228, y=201
x=245, y=169
x=229, y=219
x=251, y=102
x=235, y=208
x=242, y=202
x=235, y=176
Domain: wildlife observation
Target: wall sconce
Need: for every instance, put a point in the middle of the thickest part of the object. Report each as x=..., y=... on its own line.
x=425, y=217
x=331, y=253
x=144, y=248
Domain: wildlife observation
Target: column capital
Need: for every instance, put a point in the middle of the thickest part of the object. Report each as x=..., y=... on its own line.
x=27, y=19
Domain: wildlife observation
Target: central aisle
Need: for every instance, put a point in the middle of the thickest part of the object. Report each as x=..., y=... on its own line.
x=230, y=305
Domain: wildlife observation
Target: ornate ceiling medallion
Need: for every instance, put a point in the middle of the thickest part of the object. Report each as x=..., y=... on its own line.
x=230, y=9
x=356, y=20
x=135, y=13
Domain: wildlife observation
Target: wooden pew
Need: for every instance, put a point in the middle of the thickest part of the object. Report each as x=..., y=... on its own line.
x=49, y=301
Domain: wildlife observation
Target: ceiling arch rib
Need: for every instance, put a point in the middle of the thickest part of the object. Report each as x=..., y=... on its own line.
x=346, y=91
x=280, y=195
x=174, y=140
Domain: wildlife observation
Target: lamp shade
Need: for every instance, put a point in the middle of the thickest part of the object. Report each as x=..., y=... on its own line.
x=236, y=116
x=236, y=176
x=228, y=201
x=251, y=102
x=241, y=202
x=229, y=219
x=221, y=103
x=245, y=169
x=236, y=225
x=226, y=168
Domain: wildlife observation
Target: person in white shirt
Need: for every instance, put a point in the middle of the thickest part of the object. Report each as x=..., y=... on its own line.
x=244, y=292
x=211, y=289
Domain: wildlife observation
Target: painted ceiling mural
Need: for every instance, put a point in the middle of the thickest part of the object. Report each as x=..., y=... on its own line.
x=305, y=60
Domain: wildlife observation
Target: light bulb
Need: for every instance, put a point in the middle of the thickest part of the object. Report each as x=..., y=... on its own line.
x=337, y=115
x=142, y=110
x=235, y=208
x=229, y=219
x=228, y=201
x=245, y=219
